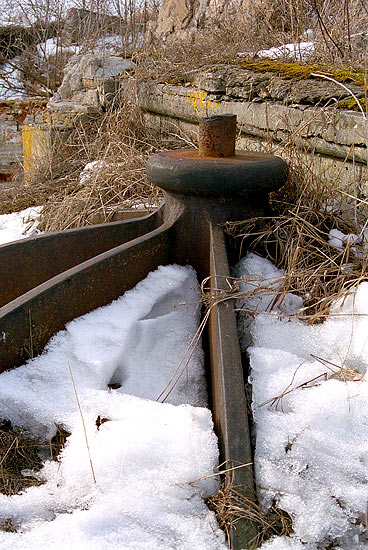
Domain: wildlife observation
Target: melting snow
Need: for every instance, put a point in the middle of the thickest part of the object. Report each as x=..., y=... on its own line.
x=298, y=50
x=310, y=396
x=150, y=458
x=19, y=225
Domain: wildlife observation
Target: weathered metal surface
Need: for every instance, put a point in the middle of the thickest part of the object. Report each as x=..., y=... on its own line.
x=184, y=171
x=27, y=263
x=212, y=191
x=229, y=404
x=28, y=322
x=217, y=136
x=201, y=193
x=198, y=239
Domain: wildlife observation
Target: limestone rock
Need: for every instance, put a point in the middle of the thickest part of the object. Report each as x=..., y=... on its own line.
x=89, y=82
x=182, y=18
x=245, y=84
x=174, y=16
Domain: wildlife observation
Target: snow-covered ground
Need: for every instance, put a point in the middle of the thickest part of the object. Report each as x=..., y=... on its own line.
x=109, y=44
x=300, y=51
x=310, y=396
x=52, y=47
x=150, y=459
x=310, y=406
x=19, y=225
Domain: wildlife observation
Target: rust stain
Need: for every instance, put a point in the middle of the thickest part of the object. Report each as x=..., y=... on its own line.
x=20, y=109
x=194, y=154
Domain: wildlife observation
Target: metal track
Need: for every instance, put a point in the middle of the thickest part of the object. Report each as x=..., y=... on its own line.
x=49, y=280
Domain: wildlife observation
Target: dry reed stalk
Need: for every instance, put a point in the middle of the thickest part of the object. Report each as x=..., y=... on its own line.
x=339, y=372
x=120, y=143
x=83, y=423
x=210, y=297
x=230, y=506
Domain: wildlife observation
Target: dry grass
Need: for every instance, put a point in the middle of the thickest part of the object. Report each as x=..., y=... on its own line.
x=18, y=452
x=231, y=506
x=120, y=141
x=121, y=145
x=221, y=38
x=296, y=239
x=20, y=456
x=218, y=41
x=333, y=371
x=339, y=30
x=116, y=181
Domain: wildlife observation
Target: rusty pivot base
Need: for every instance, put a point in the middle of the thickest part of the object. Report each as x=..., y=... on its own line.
x=47, y=281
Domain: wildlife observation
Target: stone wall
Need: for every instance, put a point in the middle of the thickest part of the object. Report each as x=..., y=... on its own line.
x=272, y=112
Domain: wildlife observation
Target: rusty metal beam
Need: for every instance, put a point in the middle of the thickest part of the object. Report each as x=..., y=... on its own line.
x=28, y=322
x=229, y=403
x=27, y=263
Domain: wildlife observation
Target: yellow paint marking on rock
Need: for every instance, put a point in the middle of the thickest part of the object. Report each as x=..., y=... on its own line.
x=200, y=102
x=61, y=118
x=35, y=146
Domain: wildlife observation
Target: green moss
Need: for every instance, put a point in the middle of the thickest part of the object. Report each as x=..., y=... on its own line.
x=300, y=70
x=354, y=76
x=286, y=70
x=352, y=105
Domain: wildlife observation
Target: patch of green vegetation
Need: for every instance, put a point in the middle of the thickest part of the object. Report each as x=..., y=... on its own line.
x=355, y=76
x=295, y=70
x=281, y=68
x=352, y=105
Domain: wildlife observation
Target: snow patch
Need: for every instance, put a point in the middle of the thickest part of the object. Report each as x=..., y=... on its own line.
x=310, y=397
x=19, y=225
x=151, y=459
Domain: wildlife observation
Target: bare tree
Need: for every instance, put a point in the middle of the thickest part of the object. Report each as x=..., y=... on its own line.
x=27, y=66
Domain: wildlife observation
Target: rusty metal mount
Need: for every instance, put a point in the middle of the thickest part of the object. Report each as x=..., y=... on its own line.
x=244, y=174
x=51, y=279
x=217, y=136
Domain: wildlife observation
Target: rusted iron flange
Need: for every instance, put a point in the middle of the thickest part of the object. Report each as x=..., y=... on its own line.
x=185, y=171
x=215, y=169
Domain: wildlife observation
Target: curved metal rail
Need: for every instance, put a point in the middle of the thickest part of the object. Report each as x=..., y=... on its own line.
x=51, y=279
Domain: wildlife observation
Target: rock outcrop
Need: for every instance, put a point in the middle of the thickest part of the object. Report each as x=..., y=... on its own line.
x=182, y=18
x=90, y=82
x=80, y=23
x=15, y=117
